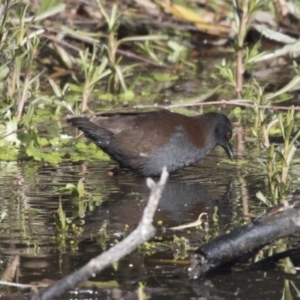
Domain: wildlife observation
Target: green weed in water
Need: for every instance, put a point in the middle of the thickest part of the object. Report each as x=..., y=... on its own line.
x=280, y=158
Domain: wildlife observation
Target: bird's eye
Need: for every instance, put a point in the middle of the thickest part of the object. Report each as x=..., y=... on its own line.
x=228, y=135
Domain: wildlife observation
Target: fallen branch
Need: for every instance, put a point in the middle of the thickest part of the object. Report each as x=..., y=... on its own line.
x=245, y=240
x=142, y=233
x=237, y=102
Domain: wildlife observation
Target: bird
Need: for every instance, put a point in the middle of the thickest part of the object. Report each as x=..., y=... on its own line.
x=148, y=141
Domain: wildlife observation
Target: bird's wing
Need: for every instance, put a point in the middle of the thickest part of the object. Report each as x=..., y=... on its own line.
x=141, y=133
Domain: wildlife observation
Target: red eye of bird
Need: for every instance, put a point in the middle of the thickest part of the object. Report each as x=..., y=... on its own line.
x=228, y=135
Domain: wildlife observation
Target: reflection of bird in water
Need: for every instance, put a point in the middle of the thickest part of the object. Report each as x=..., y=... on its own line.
x=181, y=202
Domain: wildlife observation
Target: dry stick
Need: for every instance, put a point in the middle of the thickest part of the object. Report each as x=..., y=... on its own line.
x=239, y=58
x=23, y=98
x=221, y=102
x=86, y=93
x=18, y=285
x=142, y=233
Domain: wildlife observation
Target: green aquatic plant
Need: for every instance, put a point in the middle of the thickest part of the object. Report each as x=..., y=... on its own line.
x=243, y=12
x=118, y=72
x=93, y=72
x=66, y=232
x=280, y=157
x=20, y=46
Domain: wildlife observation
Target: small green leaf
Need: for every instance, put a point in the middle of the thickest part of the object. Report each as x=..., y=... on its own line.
x=92, y=146
x=43, y=142
x=70, y=186
x=75, y=88
x=163, y=77
x=128, y=95
x=54, y=141
x=53, y=157
x=80, y=146
x=80, y=188
x=34, y=152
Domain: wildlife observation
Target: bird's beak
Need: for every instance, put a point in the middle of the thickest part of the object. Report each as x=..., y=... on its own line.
x=228, y=149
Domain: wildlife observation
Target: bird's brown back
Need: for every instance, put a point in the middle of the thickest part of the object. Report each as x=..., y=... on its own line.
x=143, y=133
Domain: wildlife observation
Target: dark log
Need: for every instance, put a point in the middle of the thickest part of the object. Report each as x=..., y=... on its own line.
x=244, y=240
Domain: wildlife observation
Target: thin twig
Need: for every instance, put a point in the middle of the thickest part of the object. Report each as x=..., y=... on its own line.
x=221, y=102
x=243, y=25
x=18, y=285
x=24, y=96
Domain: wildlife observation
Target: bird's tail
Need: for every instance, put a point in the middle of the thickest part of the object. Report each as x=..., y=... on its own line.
x=96, y=133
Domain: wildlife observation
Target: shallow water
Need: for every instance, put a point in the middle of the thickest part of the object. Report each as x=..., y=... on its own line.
x=30, y=197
